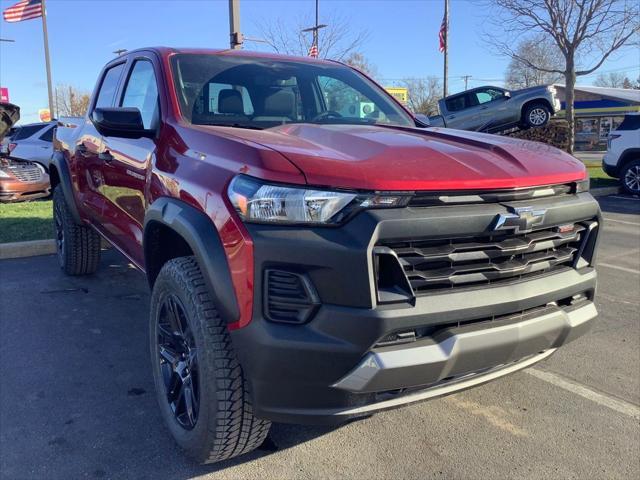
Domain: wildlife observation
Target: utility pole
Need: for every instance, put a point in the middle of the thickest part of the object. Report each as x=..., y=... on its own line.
x=466, y=79
x=446, y=47
x=315, y=49
x=235, y=36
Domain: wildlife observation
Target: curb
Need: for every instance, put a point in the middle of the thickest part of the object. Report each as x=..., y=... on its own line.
x=33, y=248
x=601, y=192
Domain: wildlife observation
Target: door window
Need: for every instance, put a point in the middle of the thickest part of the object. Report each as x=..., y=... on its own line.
x=27, y=131
x=488, y=95
x=347, y=101
x=48, y=135
x=141, y=92
x=455, y=104
x=109, y=86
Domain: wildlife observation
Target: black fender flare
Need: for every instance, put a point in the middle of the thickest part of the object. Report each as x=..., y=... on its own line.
x=197, y=229
x=60, y=164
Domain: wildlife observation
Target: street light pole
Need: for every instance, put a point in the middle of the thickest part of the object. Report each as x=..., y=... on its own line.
x=314, y=29
x=235, y=37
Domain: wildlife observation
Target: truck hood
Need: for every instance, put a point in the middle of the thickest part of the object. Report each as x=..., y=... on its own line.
x=9, y=115
x=390, y=158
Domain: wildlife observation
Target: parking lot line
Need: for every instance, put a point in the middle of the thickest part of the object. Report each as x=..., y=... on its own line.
x=623, y=269
x=609, y=219
x=616, y=404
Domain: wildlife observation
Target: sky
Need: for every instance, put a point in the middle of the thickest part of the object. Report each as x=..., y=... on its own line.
x=402, y=39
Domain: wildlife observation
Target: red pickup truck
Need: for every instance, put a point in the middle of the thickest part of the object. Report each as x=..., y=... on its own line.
x=315, y=253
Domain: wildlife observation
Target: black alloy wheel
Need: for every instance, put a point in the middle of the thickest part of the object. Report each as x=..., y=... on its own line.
x=178, y=361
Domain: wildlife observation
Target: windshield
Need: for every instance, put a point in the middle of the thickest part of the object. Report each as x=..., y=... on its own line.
x=262, y=93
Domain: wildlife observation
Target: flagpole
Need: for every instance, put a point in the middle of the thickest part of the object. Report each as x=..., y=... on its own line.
x=446, y=47
x=45, y=34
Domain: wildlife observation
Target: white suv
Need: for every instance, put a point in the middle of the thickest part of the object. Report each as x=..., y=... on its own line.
x=622, y=159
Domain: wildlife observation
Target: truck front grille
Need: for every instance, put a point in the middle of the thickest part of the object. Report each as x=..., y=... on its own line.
x=456, y=262
x=27, y=172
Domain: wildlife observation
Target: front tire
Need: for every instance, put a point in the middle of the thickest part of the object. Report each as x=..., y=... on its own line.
x=77, y=246
x=536, y=115
x=201, y=389
x=630, y=177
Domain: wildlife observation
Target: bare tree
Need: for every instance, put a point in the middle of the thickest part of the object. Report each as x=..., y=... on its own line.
x=423, y=94
x=612, y=80
x=71, y=102
x=336, y=41
x=538, y=50
x=362, y=63
x=583, y=30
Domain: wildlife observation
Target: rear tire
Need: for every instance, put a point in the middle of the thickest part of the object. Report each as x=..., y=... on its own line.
x=536, y=115
x=630, y=177
x=214, y=419
x=77, y=246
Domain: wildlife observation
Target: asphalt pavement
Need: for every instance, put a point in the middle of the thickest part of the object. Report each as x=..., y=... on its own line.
x=77, y=401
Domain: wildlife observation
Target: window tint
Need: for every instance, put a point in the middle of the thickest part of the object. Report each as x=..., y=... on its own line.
x=141, y=92
x=109, y=86
x=630, y=122
x=48, y=135
x=27, y=131
x=455, y=104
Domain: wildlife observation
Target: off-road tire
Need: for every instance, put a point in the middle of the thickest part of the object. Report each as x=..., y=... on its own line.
x=77, y=246
x=536, y=115
x=225, y=425
x=630, y=176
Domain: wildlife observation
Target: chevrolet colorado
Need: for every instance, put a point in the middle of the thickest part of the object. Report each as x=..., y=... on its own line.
x=311, y=260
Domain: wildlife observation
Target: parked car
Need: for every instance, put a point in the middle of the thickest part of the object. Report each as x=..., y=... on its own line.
x=19, y=180
x=312, y=266
x=492, y=109
x=622, y=159
x=32, y=142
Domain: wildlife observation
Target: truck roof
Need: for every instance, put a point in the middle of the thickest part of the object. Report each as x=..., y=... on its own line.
x=166, y=51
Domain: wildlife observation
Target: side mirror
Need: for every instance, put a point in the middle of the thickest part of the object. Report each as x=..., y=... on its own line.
x=422, y=120
x=122, y=122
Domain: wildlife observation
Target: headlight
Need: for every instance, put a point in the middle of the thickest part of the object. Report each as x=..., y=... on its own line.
x=257, y=201
x=583, y=186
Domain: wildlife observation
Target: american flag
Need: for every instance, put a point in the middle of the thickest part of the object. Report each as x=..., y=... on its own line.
x=443, y=33
x=313, y=51
x=24, y=10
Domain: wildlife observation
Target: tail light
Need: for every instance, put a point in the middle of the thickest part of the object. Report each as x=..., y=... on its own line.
x=610, y=139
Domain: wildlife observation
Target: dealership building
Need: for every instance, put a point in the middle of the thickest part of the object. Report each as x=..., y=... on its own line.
x=598, y=111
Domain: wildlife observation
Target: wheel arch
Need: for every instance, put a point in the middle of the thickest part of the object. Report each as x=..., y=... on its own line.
x=534, y=101
x=628, y=156
x=59, y=175
x=173, y=228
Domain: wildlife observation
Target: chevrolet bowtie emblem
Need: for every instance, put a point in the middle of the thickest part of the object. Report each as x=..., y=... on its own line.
x=522, y=220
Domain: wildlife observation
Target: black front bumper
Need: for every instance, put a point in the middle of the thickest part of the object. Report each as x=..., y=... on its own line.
x=321, y=371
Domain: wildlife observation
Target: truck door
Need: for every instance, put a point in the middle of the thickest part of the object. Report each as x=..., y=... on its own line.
x=126, y=161
x=458, y=111
x=85, y=162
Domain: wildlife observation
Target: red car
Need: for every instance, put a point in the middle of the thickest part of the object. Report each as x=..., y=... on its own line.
x=315, y=254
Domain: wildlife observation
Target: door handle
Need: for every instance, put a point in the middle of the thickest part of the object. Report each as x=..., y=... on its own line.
x=483, y=108
x=451, y=116
x=105, y=156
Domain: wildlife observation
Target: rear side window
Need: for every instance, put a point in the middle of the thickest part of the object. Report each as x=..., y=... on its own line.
x=27, y=131
x=630, y=122
x=109, y=86
x=141, y=92
x=48, y=135
x=455, y=104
